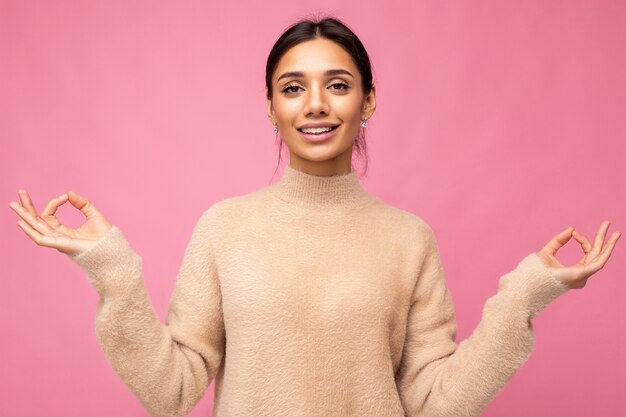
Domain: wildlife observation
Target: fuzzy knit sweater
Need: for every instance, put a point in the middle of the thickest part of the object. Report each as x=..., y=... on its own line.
x=311, y=297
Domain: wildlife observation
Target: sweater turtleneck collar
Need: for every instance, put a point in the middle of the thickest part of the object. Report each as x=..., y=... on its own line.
x=298, y=187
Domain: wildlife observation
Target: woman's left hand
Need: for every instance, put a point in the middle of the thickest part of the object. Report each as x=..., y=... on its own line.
x=595, y=257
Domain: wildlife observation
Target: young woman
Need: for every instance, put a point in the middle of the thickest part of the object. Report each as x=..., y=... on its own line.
x=310, y=297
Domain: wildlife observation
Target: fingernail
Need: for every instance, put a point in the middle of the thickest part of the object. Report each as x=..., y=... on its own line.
x=63, y=196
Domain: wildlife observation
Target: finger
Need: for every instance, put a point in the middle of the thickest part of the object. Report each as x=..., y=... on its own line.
x=83, y=204
x=558, y=241
x=599, y=240
x=32, y=233
x=35, y=222
x=584, y=243
x=60, y=243
x=54, y=204
x=598, y=262
x=608, y=248
x=27, y=203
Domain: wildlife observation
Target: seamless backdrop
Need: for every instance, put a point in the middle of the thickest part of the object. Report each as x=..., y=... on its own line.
x=500, y=123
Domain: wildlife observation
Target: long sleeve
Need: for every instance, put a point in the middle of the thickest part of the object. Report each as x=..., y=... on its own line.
x=438, y=378
x=167, y=366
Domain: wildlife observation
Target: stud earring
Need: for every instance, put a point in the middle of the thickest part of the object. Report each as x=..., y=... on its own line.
x=364, y=124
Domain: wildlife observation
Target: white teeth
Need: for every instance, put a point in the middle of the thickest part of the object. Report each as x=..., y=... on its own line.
x=317, y=130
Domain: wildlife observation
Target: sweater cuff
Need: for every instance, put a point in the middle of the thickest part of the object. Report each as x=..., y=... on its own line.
x=111, y=264
x=534, y=283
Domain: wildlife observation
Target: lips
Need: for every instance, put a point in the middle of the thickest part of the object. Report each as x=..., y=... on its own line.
x=333, y=127
x=317, y=124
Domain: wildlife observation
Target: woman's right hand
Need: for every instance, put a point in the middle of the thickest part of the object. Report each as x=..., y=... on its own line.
x=45, y=229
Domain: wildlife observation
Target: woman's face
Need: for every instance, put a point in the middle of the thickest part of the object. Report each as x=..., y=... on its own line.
x=314, y=95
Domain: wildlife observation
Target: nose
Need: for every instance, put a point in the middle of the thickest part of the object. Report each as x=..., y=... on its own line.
x=316, y=102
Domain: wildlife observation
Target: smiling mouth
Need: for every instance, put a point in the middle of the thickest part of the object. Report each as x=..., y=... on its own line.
x=325, y=131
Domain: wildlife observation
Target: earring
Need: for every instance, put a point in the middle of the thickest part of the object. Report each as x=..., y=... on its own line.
x=275, y=128
x=364, y=124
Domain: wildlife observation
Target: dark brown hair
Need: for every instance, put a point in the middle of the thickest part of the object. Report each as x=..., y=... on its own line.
x=333, y=29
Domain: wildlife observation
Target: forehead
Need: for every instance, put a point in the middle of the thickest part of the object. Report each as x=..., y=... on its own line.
x=315, y=56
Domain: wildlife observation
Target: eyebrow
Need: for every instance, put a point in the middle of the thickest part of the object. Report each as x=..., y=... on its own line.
x=300, y=74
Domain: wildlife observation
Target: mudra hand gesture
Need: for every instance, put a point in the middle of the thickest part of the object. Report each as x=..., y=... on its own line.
x=595, y=256
x=47, y=230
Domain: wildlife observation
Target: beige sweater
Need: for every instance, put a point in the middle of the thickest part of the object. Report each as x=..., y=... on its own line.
x=311, y=297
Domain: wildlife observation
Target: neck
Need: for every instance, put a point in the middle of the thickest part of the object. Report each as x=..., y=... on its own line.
x=335, y=166
x=298, y=187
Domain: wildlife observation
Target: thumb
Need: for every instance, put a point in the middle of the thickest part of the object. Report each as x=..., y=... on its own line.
x=558, y=241
x=83, y=204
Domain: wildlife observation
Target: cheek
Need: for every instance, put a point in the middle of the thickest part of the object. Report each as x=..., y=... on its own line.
x=349, y=110
x=287, y=110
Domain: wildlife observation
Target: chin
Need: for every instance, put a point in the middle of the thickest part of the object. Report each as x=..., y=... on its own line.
x=323, y=153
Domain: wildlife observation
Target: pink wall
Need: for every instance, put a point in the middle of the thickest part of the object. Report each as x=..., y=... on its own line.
x=499, y=122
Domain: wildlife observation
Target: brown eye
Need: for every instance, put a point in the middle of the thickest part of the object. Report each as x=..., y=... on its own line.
x=343, y=86
x=287, y=90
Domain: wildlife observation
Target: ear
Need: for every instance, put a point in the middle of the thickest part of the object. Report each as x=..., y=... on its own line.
x=270, y=111
x=369, y=104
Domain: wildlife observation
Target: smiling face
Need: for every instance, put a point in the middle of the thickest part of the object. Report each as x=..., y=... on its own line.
x=316, y=82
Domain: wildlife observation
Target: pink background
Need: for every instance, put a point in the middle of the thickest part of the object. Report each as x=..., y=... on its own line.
x=500, y=123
